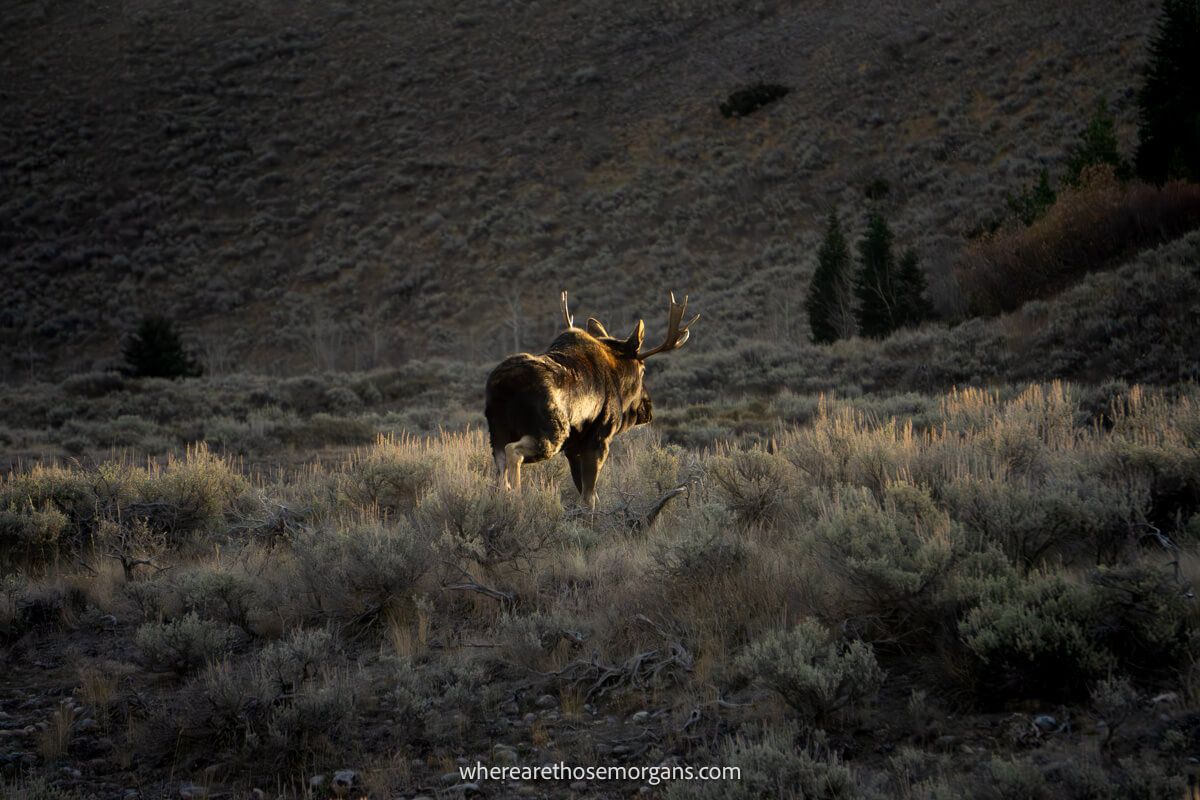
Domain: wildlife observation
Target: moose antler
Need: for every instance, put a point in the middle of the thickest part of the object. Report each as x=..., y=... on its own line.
x=677, y=334
x=567, y=318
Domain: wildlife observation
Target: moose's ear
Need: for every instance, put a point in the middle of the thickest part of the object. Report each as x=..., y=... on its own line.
x=596, y=329
x=634, y=343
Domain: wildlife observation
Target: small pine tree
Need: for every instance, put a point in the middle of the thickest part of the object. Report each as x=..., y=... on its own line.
x=155, y=350
x=912, y=307
x=1031, y=204
x=1097, y=146
x=1169, y=101
x=828, y=300
x=873, y=285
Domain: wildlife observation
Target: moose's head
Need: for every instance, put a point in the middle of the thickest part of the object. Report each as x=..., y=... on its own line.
x=585, y=389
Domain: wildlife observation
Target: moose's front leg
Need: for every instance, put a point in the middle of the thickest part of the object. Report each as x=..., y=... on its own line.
x=591, y=461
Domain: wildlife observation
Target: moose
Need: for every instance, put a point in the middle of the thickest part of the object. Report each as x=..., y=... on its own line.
x=574, y=398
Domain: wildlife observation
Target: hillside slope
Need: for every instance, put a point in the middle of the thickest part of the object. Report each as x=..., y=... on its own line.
x=353, y=184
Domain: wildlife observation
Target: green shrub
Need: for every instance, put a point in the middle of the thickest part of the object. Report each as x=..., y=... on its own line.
x=186, y=643
x=354, y=573
x=218, y=595
x=1016, y=780
x=189, y=495
x=1142, y=617
x=31, y=534
x=1033, y=638
x=704, y=547
x=287, y=705
x=1033, y=522
x=393, y=474
x=1144, y=779
x=528, y=639
x=473, y=522
x=814, y=672
x=773, y=766
x=895, y=556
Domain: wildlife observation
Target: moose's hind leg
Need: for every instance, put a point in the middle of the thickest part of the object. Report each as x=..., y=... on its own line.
x=515, y=453
x=501, y=472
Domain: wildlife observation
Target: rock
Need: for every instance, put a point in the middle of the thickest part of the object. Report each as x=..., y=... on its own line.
x=258, y=794
x=946, y=743
x=547, y=701
x=86, y=724
x=191, y=791
x=529, y=718
x=450, y=777
x=316, y=782
x=130, y=794
x=640, y=718
x=343, y=781
x=466, y=788
x=504, y=755
x=1165, y=699
x=71, y=772
x=578, y=786
x=1045, y=722
x=510, y=708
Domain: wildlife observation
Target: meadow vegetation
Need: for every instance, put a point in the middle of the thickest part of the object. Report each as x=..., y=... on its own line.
x=826, y=608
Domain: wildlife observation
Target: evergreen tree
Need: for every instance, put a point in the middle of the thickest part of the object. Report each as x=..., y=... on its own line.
x=912, y=306
x=828, y=300
x=873, y=285
x=1031, y=204
x=155, y=350
x=1169, y=101
x=1097, y=145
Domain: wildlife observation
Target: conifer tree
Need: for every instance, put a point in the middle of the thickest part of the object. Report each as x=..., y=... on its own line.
x=829, y=295
x=155, y=350
x=912, y=306
x=873, y=284
x=1097, y=146
x=1169, y=100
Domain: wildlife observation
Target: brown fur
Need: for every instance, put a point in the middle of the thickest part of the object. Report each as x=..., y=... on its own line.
x=574, y=398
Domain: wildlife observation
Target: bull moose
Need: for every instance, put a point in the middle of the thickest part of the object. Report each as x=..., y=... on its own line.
x=574, y=398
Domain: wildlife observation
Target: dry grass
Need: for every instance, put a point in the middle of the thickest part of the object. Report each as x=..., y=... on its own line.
x=54, y=740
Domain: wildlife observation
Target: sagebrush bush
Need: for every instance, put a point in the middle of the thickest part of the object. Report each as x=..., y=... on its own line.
x=753, y=484
x=191, y=494
x=220, y=595
x=393, y=474
x=34, y=534
x=1033, y=637
x=1013, y=779
x=815, y=672
x=530, y=639
x=774, y=765
x=472, y=522
x=706, y=546
x=1143, y=617
x=283, y=707
x=894, y=556
x=186, y=643
x=353, y=573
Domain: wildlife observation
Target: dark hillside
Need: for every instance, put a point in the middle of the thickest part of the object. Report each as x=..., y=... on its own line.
x=349, y=185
